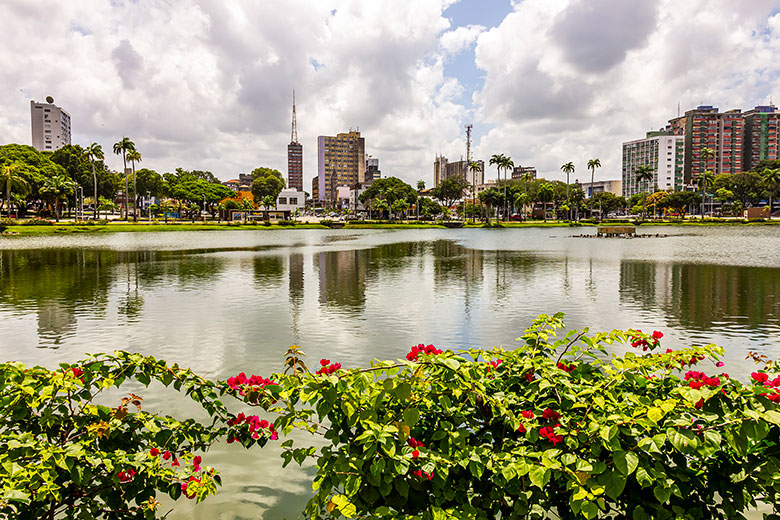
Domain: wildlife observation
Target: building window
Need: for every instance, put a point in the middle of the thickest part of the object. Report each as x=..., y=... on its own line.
x=293, y=200
x=282, y=200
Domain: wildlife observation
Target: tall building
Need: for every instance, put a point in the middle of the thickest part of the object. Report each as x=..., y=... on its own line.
x=443, y=169
x=761, y=137
x=50, y=126
x=372, y=169
x=705, y=127
x=663, y=152
x=519, y=171
x=341, y=161
x=294, y=156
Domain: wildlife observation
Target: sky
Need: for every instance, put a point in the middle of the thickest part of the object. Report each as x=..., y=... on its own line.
x=207, y=84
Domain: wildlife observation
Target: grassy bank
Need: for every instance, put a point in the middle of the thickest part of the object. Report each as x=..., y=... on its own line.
x=71, y=228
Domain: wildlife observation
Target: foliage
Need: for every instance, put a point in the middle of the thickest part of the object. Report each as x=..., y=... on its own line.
x=559, y=425
x=608, y=202
x=679, y=201
x=450, y=189
x=388, y=189
x=268, y=183
x=428, y=207
x=35, y=166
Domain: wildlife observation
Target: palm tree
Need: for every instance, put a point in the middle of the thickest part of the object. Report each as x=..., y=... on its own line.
x=420, y=188
x=506, y=164
x=497, y=160
x=521, y=200
x=474, y=166
x=568, y=168
x=56, y=187
x=545, y=194
x=704, y=181
x=644, y=173
x=592, y=165
x=771, y=178
x=10, y=177
x=94, y=153
x=381, y=205
x=121, y=148
x=134, y=156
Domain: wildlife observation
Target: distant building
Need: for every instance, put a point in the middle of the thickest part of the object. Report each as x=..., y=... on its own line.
x=519, y=172
x=663, y=152
x=315, y=189
x=294, y=156
x=443, y=169
x=341, y=161
x=372, y=169
x=233, y=184
x=761, y=136
x=50, y=126
x=611, y=186
x=291, y=200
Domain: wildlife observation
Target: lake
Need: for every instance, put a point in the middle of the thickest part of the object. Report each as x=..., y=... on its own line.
x=222, y=302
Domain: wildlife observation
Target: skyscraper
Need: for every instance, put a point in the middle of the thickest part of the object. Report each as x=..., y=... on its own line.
x=341, y=161
x=294, y=156
x=663, y=153
x=50, y=126
x=761, y=135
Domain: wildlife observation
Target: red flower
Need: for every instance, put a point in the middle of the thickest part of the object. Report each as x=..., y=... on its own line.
x=324, y=362
x=77, y=372
x=154, y=452
x=699, y=404
x=528, y=414
x=414, y=443
x=167, y=455
x=125, y=476
x=175, y=463
x=719, y=364
x=550, y=414
x=567, y=368
x=196, y=461
x=695, y=384
x=495, y=363
x=522, y=429
x=423, y=474
x=529, y=376
x=759, y=377
x=415, y=454
x=657, y=335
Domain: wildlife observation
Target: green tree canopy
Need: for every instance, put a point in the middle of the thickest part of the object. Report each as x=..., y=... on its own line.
x=390, y=189
x=450, y=190
x=35, y=167
x=267, y=183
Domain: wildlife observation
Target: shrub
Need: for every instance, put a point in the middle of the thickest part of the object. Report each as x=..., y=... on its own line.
x=556, y=426
x=36, y=221
x=286, y=222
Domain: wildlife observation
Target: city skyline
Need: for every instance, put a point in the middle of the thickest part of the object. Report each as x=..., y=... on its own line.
x=193, y=89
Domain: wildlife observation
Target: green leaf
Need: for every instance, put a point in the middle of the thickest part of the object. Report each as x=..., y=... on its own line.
x=662, y=493
x=643, y=477
x=655, y=414
x=625, y=462
x=403, y=391
x=411, y=416
x=615, y=484
x=452, y=363
x=539, y=476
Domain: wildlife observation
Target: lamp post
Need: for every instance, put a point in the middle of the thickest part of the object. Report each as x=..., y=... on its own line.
x=80, y=202
x=148, y=206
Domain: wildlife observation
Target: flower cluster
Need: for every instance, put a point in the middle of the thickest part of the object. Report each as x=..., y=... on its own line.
x=697, y=380
x=763, y=379
x=414, y=443
x=429, y=350
x=327, y=368
x=495, y=363
x=248, y=384
x=77, y=372
x=529, y=376
x=185, y=485
x=551, y=415
x=567, y=368
x=255, y=423
x=125, y=476
x=423, y=474
x=548, y=432
x=638, y=341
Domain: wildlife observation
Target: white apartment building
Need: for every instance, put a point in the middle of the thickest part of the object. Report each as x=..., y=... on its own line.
x=664, y=153
x=50, y=126
x=291, y=200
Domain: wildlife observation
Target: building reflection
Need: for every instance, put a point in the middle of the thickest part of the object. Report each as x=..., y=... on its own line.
x=342, y=276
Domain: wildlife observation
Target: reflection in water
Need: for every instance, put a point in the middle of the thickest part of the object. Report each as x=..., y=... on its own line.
x=342, y=277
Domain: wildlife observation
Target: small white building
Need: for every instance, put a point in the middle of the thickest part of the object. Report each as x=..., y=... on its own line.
x=291, y=200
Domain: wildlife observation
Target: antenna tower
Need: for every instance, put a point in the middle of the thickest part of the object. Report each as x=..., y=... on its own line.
x=468, y=144
x=294, y=135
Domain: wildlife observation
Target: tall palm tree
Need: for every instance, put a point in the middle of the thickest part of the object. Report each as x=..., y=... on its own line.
x=57, y=187
x=545, y=194
x=568, y=169
x=771, y=178
x=94, y=153
x=134, y=156
x=592, y=165
x=121, y=148
x=474, y=166
x=506, y=164
x=644, y=173
x=703, y=180
x=9, y=175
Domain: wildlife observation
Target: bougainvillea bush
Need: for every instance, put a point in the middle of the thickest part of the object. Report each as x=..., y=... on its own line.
x=557, y=427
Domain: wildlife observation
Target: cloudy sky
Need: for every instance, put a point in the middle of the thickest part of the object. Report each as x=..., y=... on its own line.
x=207, y=84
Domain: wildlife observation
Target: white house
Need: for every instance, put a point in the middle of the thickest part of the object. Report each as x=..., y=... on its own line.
x=291, y=200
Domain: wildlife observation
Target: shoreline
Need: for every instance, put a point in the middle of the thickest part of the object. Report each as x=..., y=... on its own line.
x=66, y=228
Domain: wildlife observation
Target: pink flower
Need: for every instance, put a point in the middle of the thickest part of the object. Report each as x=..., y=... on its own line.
x=719, y=364
x=415, y=454
x=125, y=476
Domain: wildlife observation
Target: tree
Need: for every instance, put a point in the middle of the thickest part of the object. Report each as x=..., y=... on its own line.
x=267, y=183
x=134, y=156
x=704, y=180
x=608, y=202
x=11, y=178
x=55, y=188
x=680, y=200
x=420, y=185
x=121, y=148
x=94, y=153
x=497, y=160
x=521, y=200
x=450, y=190
x=400, y=206
x=771, y=179
x=420, y=188
x=491, y=197
x=380, y=205
x=506, y=165
x=428, y=207
x=545, y=194
x=106, y=205
x=644, y=173
x=475, y=167
x=656, y=200
x=592, y=165
x=568, y=169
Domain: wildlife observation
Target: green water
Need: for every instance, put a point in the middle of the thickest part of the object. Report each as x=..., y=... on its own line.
x=225, y=302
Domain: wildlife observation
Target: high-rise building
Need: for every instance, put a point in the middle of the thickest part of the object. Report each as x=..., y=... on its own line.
x=294, y=156
x=663, y=152
x=372, y=169
x=443, y=169
x=705, y=127
x=761, y=136
x=50, y=126
x=341, y=161
x=518, y=172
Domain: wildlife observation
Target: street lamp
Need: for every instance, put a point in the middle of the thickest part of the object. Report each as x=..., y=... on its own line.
x=148, y=206
x=80, y=202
